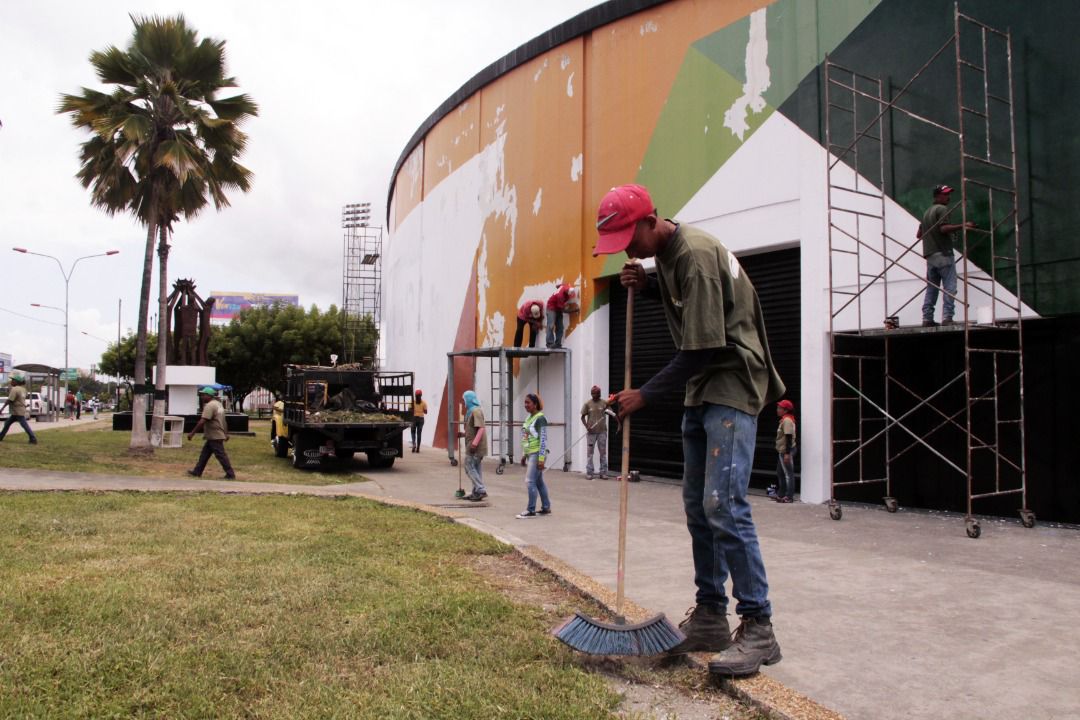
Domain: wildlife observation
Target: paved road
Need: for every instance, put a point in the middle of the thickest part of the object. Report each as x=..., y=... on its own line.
x=879, y=615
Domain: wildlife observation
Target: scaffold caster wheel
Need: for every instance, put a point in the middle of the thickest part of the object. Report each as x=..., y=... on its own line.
x=453, y=462
x=973, y=529
x=1027, y=518
x=835, y=511
x=891, y=505
x=499, y=470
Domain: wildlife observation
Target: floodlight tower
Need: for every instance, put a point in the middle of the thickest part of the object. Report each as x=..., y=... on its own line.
x=361, y=282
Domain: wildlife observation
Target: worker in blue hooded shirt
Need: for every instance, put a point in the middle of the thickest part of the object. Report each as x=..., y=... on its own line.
x=476, y=444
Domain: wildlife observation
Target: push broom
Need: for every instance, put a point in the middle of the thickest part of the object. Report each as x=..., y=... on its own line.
x=594, y=637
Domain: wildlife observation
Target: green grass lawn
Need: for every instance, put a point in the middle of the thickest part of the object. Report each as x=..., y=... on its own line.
x=97, y=448
x=133, y=605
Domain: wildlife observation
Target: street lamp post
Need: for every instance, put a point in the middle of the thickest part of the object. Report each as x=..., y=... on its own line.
x=67, y=283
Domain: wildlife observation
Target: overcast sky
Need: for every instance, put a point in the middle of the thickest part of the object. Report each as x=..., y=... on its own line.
x=341, y=87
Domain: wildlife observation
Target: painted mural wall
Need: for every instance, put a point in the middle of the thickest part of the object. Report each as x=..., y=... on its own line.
x=717, y=108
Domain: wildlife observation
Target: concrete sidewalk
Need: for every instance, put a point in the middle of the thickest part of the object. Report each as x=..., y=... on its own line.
x=879, y=615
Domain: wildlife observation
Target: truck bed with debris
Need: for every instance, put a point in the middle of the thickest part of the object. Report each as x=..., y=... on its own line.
x=330, y=413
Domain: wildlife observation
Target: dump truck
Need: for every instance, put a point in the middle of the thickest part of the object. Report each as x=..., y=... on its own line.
x=327, y=414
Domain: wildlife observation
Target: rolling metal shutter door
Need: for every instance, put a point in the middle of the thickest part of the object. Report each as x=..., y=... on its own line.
x=656, y=444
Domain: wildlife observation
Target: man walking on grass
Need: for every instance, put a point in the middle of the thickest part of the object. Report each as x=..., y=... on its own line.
x=215, y=433
x=16, y=401
x=723, y=365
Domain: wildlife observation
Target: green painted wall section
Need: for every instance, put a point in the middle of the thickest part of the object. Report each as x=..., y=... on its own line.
x=690, y=141
x=895, y=41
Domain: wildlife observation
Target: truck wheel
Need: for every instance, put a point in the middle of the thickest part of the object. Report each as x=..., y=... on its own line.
x=299, y=446
x=377, y=461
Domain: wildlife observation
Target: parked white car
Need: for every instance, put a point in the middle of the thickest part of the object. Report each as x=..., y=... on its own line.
x=36, y=405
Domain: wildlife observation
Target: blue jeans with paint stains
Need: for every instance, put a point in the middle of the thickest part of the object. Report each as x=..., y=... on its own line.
x=718, y=451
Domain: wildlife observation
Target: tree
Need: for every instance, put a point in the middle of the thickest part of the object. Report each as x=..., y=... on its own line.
x=162, y=142
x=251, y=350
x=119, y=358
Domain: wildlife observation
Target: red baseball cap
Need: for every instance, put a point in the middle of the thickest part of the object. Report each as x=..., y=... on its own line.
x=942, y=190
x=618, y=215
x=786, y=404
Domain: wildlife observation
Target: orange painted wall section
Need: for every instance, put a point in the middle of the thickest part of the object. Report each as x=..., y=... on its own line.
x=552, y=136
x=409, y=185
x=451, y=143
x=631, y=72
x=535, y=114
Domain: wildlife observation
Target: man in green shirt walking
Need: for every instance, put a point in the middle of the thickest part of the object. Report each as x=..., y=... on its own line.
x=16, y=401
x=723, y=364
x=215, y=432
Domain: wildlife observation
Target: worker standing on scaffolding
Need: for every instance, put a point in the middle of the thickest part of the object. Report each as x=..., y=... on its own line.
x=562, y=300
x=936, y=231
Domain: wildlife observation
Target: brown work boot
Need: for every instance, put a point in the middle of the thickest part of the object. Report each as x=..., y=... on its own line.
x=755, y=645
x=706, y=629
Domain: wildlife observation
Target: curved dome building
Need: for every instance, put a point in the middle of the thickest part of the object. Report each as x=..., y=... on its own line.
x=733, y=115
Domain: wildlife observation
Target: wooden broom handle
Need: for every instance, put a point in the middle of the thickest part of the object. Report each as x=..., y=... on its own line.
x=624, y=482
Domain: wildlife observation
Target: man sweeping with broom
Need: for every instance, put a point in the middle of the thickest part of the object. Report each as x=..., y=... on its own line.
x=723, y=363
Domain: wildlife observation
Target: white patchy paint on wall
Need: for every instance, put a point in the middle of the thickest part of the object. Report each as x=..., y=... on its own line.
x=483, y=278
x=757, y=77
x=564, y=61
x=540, y=70
x=576, y=164
x=497, y=199
x=428, y=261
x=413, y=170
x=648, y=27
x=493, y=330
x=537, y=201
x=570, y=86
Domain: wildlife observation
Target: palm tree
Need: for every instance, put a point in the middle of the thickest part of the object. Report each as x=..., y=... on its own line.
x=162, y=143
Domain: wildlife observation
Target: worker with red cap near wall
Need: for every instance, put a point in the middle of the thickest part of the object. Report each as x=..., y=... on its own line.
x=785, y=449
x=723, y=365
x=531, y=314
x=562, y=300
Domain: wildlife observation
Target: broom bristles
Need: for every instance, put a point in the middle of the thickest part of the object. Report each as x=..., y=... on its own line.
x=594, y=637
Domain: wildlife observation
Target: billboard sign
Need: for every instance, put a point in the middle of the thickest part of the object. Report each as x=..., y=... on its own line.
x=5, y=367
x=228, y=305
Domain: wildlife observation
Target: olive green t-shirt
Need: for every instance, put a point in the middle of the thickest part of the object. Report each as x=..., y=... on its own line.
x=595, y=417
x=933, y=240
x=213, y=415
x=709, y=302
x=17, y=401
x=473, y=423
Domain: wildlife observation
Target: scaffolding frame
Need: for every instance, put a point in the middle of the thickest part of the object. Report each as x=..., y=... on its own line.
x=866, y=430
x=501, y=367
x=361, y=279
